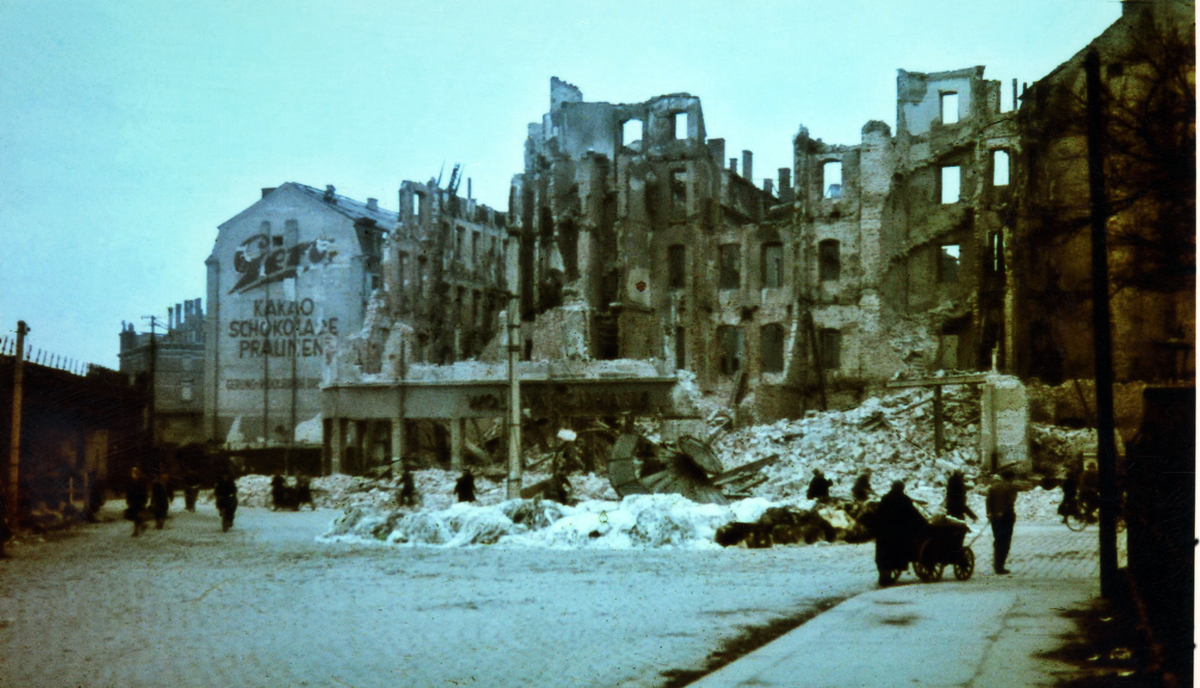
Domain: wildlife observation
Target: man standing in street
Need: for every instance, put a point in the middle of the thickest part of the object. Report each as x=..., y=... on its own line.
x=1002, y=514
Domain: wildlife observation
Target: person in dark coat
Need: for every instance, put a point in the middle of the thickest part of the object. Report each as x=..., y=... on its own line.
x=1070, y=490
x=408, y=489
x=818, y=487
x=278, y=491
x=898, y=525
x=1002, y=514
x=304, y=492
x=956, y=498
x=160, y=500
x=225, y=494
x=465, y=487
x=136, y=495
x=862, y=487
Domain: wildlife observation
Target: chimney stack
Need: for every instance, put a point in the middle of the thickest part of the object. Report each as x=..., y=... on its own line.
x=747, y=162
x=786, y=193
x=716, y=147
x=733, y=165
x=372, y=204
x=267, y=190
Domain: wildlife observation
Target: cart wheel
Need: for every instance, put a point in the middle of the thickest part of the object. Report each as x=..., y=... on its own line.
x=927, y=568
x=965, y=568
x=889, y=576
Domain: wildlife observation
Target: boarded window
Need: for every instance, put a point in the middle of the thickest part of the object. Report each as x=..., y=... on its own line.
x=731, y=342
x=951, y=178
x=949, y=107
x=731, y=267
x=772, y=348
x=680, y=348
x=772, y=266
x=999, y=168
x=681, y=125
x=947, y=271
x=676, y=266
x=832, y=176
x=830, y=344
x=829, y=260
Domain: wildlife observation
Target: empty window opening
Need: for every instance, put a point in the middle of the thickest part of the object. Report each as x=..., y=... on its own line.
x=829, y=260
x=631, y=131
x=772, y=266
x=376, y=282
x=402, y=270
x=999, y=168
x=680, y=348
x=948, y=260
x=460, y=239
x=731, y=267
x=731, y=341
x=951, y=178
x=277, y=240
x=996, y=249
x=415, y=205
x=475, y=248
x=677, y=266
x=681, y=125
x=949, y=108
x=832, y=172
x=772, y=348
x=679, y=193
x=829, y=341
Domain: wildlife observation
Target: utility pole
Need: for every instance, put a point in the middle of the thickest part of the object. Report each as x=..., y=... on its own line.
x=515, y=467
x=1102, y=331
x=14, y=446
x=151, y=412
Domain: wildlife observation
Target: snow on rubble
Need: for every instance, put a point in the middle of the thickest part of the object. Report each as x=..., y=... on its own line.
x=891, y=436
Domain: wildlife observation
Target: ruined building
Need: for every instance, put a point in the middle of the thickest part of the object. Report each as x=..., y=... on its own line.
x=638, y=242
x=177, y=370
x=1147, y=67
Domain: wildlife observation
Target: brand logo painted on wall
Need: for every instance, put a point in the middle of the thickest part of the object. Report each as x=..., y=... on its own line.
x=259, y=265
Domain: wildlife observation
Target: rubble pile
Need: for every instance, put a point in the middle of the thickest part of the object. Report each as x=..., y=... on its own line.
x=435, y=489
x=892, y=436
x=637, y=522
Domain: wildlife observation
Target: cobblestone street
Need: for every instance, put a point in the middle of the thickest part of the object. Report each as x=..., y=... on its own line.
x=265, y=605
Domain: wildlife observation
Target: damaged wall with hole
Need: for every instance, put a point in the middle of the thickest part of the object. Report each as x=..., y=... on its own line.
x=904, y=237
x=443, y=285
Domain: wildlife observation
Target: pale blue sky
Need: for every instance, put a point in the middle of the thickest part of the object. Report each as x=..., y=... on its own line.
x=130, y=130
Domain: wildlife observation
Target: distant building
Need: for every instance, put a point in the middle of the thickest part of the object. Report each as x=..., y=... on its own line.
x=178, y=372
x=287, y=278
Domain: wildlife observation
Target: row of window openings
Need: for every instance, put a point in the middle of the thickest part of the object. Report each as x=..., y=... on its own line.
x=949, y=106
x=771, y=348
x=730, y=275
x=635, y=129
x=951, y=182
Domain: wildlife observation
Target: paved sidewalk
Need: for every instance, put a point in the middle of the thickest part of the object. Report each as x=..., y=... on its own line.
x=985, y=632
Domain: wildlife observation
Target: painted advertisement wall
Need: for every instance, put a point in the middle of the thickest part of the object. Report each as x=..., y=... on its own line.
x=287, y=278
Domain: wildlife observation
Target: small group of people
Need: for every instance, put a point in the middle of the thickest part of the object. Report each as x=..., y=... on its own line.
x=158, y=493
x=818, y=487
x=897, y=517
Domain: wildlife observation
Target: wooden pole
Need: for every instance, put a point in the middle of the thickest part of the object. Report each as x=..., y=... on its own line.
x=1102, y=331
x=14, y=445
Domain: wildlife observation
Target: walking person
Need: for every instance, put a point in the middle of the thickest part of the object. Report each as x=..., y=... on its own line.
x=465, y=487
x=160, y=500
x=225, y=494
x=408, y=489
x=956, y=498
x=1002, y=514
x=135, y=500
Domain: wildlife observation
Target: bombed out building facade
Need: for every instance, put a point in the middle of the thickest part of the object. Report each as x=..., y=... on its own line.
x=955, y=243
